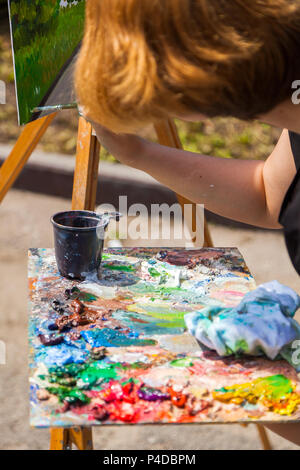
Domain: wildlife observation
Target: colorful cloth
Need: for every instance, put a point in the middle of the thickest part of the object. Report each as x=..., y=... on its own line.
x=262, y=323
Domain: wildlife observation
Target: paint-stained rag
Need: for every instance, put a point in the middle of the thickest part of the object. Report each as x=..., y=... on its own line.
x=262, y=323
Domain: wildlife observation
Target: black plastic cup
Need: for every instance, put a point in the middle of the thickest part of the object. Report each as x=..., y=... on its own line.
x=78, y=240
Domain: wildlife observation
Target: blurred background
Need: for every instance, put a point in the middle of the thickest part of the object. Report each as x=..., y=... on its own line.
x=44, y=188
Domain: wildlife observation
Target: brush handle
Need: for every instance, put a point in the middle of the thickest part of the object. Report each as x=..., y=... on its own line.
x=112, y=216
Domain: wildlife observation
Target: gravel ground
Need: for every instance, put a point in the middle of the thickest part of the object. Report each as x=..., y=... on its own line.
x=24, y=222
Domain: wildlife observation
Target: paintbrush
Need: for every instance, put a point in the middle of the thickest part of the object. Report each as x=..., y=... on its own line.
x=57, y=107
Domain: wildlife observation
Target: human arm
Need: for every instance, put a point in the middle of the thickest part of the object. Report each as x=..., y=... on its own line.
x=248, y=191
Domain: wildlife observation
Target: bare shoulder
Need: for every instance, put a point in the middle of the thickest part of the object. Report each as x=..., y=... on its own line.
x=279, y=172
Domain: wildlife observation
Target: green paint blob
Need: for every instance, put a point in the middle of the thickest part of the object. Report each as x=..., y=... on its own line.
x=278, y=386
x=184, y=362
x=73, y=379
x=166, y=293
x=241, y=346
x=169, y=318
x=93, y=374
x=153, y=272
x=70, y=395
x=65, y=381
x=273, y=387
x=70, y=370
x=87, y=297
x=120, y=267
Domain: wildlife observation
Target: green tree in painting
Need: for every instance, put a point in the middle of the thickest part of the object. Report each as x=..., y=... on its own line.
x=33, y=17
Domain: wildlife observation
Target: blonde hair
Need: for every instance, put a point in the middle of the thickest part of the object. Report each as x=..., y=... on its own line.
x=146, y=60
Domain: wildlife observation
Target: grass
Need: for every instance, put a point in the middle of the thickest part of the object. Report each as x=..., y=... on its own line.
x=45, y=57
x=229, y=138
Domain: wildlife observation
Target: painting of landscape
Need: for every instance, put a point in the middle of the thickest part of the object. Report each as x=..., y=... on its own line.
x=46, y=35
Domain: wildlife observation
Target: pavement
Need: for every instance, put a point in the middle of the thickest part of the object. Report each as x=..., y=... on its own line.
x=24, y=223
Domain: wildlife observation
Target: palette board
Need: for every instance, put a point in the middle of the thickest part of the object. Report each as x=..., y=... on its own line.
x=116, y=351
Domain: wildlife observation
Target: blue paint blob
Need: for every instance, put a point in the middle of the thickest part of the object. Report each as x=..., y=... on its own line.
x=112, y=338
x=60, y=355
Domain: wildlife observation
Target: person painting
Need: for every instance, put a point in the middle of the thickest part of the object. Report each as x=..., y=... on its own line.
x=146, y=60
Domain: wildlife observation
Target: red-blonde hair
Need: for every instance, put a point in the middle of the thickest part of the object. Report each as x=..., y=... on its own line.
x=146, y=60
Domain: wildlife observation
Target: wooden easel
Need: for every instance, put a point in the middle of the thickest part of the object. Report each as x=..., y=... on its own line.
x=84, y=198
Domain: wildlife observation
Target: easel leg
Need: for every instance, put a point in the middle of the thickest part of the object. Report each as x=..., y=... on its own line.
x=86, y=168
x=264, y=438
x=21, y=152
x=82, y=437
x=59, y=439
x=167, y=135
x=64, y=438
x=84, y=198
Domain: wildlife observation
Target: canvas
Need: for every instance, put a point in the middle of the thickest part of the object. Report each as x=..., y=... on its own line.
x=116, y=350
x=46, y=36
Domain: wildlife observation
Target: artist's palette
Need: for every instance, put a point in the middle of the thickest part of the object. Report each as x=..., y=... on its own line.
x=116, y=351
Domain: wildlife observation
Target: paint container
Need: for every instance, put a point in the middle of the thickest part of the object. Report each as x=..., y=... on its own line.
x=78, y=240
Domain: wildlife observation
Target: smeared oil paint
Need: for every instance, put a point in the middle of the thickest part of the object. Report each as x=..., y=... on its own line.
x=60, y=355
x=183, y=362
x=119, y=267
x=65, y=394
x=111, y=338
x=127, y=357
x=87, y=297
x=152, y=394
x=153, y=272
x=275, y=392
x=50, y=340
x=148, y=325
x=94, y=374
x=168, y=317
